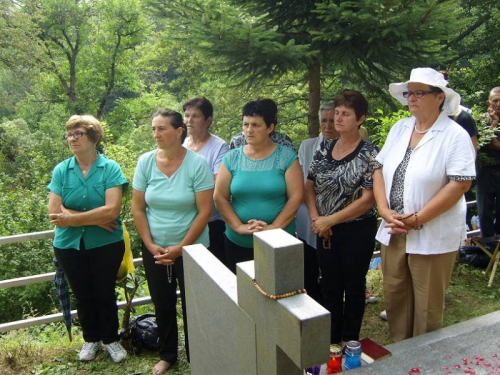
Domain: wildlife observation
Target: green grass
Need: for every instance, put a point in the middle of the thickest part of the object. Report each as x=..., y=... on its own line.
x=46, y=349
x=467, y=297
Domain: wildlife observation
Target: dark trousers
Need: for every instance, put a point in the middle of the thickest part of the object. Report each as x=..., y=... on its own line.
x=236, y=254
x=488, y=202
x=163, y=294
x=92, y=276
x=343, y=270
x=311, y=273
x=216, y=234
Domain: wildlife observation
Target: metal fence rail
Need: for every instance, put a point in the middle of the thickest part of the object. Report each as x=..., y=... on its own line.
x=36, y=279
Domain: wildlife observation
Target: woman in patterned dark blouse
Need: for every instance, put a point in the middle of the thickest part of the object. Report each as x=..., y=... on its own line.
x=423, y=171
x=340, y=201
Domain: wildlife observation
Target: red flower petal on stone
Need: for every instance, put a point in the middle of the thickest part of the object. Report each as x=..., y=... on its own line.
x=446, y=367
x=458, y=366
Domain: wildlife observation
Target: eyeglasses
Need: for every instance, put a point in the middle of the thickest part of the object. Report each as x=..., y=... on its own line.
x=75, y=135
x=418, y=94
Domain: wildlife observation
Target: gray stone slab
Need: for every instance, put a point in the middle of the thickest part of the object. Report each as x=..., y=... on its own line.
x=440, y=351
x=221, y=335
x=235, y=329
x=292, y=333
x=301, y=330
x=279, y=261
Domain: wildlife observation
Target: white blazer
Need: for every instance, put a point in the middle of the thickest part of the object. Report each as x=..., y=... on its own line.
x=446, y=150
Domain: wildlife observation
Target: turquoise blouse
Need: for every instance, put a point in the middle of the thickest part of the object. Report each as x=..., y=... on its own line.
x=171, y=201
x=258, y=188
x=82, y=195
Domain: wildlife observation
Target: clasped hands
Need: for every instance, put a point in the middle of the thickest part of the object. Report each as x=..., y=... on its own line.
x=252, y=226
x=66, y=219
x=398, y=223
x=165, y=255
x=322, y=226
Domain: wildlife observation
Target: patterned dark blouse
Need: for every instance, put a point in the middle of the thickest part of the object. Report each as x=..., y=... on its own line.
x=398, y=184
x=338, y=183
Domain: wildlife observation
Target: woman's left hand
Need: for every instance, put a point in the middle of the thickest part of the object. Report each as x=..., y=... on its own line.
x=169, y=256
x=322, y=226
x=396, y=228
x=63, y=219
x=255, y=225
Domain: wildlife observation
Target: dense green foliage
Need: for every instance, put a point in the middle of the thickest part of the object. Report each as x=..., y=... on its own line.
x=122, y=59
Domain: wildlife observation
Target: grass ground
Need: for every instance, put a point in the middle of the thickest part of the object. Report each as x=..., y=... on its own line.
x=46, y=350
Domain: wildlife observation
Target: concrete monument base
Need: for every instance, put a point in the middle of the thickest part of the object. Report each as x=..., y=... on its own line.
x=473, y=344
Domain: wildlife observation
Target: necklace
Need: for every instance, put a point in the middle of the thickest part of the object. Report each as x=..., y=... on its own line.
x=256, y=155
x=86, y=170
x=345, y=149
x=421, y=132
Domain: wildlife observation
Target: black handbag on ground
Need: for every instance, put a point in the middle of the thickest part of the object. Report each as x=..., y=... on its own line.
x=142, y=332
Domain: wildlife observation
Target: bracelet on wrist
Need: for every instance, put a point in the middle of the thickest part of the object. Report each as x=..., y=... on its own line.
x=417, y=227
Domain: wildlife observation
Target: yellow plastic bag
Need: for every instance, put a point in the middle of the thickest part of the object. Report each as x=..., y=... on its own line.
x=127, y=265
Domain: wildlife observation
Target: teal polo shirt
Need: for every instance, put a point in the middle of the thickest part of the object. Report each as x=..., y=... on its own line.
x=82, y=195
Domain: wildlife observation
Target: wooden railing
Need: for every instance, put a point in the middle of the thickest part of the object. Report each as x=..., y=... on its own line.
x=36, y=279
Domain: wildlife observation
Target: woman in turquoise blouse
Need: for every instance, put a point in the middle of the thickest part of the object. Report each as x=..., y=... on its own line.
x=259, y=186
x=172, y=203
x=84, y=204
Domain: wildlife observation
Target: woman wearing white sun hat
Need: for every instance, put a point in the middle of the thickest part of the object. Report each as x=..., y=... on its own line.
x=425, y=167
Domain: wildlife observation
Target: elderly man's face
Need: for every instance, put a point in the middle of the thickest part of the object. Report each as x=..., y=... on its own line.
x=328, y=124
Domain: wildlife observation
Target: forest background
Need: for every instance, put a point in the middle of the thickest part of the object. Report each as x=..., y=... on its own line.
x=120, y=60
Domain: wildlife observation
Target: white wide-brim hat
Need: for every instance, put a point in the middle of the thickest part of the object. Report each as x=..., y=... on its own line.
x=428, y=76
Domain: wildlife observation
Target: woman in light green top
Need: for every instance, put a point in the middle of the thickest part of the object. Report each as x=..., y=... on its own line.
x=259, y=186
x=172, y=203
x=84, y=204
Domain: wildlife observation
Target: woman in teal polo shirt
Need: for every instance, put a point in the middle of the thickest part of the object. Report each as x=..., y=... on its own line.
x=259, y=186
x=172, y=204
x=84, y=204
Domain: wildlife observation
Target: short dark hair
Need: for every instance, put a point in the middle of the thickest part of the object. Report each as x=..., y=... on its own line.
x=352, y=99
x=175, y=118
x=265, y=108
x=201, y=103
x=436, y=91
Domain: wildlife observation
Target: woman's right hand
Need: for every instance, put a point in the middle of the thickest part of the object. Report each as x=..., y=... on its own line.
x=393, y=219
x=156, y=249
x=251, y=227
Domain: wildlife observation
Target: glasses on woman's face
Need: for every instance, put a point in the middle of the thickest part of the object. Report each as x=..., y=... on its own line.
x=418, y=94
x=75, y=135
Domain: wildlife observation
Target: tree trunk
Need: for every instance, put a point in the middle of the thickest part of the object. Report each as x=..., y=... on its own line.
x=314, y=98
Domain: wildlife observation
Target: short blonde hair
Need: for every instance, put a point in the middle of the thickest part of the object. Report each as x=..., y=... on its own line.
x=92, y=126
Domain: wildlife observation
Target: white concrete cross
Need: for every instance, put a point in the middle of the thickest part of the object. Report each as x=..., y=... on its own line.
x=234, y=329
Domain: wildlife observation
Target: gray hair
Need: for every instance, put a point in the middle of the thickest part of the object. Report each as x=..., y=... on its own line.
x=326, y=106
x=495, y=90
